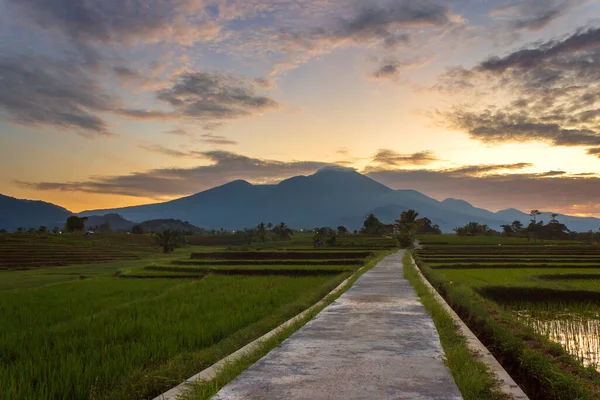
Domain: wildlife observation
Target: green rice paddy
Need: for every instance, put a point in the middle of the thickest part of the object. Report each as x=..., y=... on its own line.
x=105, y=330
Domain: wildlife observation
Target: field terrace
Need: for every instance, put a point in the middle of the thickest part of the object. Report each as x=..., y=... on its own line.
x=535, y=305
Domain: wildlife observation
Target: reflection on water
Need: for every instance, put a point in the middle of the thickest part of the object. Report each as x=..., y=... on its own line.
x=580, y=336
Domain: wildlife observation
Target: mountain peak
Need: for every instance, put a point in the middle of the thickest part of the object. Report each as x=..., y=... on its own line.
x=335, y=168
x=451, y=200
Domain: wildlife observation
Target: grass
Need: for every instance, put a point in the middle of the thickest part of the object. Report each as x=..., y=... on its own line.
x=125, y=339
x=28, y=251
x=485, y=296
x=436, y=240
x=15, y=279
x=264, y=263
x=204, y=390
x=281, y=255
x=78, y=331
x=528, y=278
x=472, y=377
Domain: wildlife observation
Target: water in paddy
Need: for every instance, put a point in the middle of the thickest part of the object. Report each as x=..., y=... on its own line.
x=577, y=329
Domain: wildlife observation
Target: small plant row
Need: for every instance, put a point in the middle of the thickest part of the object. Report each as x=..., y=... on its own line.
x=280, y=255
x=511, y=258
x=511, y=265
x=249, y=271
x=498, y=252
x=542, y=368
x=269, y=262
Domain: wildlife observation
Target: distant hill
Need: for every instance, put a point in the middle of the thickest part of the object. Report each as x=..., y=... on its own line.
x=330, y=197
x=116, y=222
x=15, y=213
x=159, y=225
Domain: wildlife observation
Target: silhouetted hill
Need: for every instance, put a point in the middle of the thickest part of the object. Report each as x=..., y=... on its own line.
x=578, y=224
x=15, y=213
x=116, y=222
x=330, y=197
x=159, y=225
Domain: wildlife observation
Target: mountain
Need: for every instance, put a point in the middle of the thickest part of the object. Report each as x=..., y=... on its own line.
x=578, y=224
x=116, y=222
x=330, y=197
x=159, y=225
x=15, y=213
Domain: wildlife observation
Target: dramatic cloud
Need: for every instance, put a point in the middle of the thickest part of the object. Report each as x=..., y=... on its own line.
x=504, y=126
x=473, y=170
x=216, y=139
x=214, y=96
x=376, y=22
x=547, y=191
x=594, y=152
x=386, y=157
x=210, y=138
x=39, y=91
x=121, y=22
x=156, y=148
x=533, y=14
x=160, y=183
x=385, y=25
x=548, y=52
x=388, y=70
x=177, y=132
x=548, y=92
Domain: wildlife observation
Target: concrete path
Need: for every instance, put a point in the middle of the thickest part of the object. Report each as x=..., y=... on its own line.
x=375, y=342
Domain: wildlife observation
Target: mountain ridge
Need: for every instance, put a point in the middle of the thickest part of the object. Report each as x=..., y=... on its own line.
x=329, y=197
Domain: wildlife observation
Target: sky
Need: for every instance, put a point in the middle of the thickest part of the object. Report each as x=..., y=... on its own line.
x=108, y=103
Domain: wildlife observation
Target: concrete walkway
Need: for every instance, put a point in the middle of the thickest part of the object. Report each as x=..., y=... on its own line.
x=375, y=342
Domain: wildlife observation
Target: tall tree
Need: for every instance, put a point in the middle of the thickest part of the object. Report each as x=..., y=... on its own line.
x=74, y=223
x=261, y=232
x=507, y=230
x=283, y=231
x=517, y=226
x=169, y=240
x=372, y=225
x=534, y=214
x=408, y=227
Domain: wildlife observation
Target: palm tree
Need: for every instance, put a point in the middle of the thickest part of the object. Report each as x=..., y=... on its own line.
x=261, y=230
x=407, y=224
x=534, y=214
x=408, y=220
x=284, y=231
x=169, y=240
x=507, y=230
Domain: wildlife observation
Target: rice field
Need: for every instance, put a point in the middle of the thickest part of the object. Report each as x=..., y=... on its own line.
x=92, y=336
x=30, y=251
x=575, y=326
x=552, y=289
x=132, y=329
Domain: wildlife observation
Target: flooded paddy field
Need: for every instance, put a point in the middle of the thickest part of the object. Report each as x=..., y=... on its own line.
x=535, y=306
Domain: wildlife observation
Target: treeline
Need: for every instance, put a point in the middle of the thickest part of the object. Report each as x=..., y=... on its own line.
x=535, y=230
